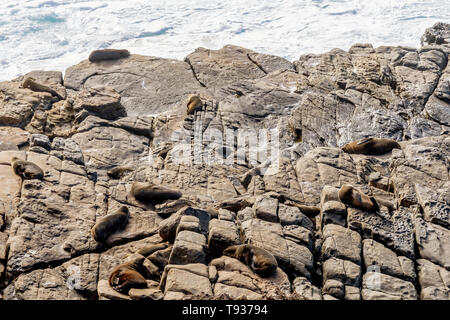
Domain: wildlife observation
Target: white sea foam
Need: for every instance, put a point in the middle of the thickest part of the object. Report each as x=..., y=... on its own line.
x=52, y=35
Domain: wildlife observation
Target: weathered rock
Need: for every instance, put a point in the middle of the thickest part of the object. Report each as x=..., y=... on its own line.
x=305, y=290
x=189, y=247
x=289, y=215
x=434, y=293
x=103, y=102
x=437, y=34
x=341, y=243
x=168, y=227
x=73, y=280
x=333, y=212
x=334, y=288
x=189, y=279
x=352, y=293
x=147, y=85
x=146, y=294
x=17, y=104
x=345, y=271
x=379, y=286
x=299, y=235
x=375, y=254
x=432, y=275
x=222, y=234
x=266, y=208
x=433, y=242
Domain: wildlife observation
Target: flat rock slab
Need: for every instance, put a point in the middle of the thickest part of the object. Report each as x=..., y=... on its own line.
x=147, y=85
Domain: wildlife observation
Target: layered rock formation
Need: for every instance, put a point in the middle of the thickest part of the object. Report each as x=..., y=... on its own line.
x=131, y=112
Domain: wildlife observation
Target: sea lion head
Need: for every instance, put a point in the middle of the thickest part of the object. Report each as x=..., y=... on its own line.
x=231, y=251
x=194, y=101
x=347, y=148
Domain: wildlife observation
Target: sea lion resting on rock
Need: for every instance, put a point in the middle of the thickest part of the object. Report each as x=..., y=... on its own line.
x=108, y=54
x=259, y=260
x=110, y=224
x=33, y=85
x=355, y=198
x=126, y=276
x=310, y=211
x=193, y=104
x=26, y=169
x=153, y=194
x=118, y=172
x=371, y=146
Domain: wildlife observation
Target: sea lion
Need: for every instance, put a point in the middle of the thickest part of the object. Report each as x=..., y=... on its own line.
x=127, y=276
x=32, y=84
x=118, y=172
x=109, y=224
x=153, y=194
x=259, y=260
x=108, y=54
x=371, y=146
x=193, y=104
x=26, y=169
x=310, y=211
x=355, y=198
x=148, y=250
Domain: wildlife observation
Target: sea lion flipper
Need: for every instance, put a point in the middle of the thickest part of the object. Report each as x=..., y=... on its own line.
x=376, y=207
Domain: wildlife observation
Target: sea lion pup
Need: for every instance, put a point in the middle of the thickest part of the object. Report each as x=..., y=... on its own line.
x=371, y=146
x=310, y=211
x=193, y=104
x=26, y=169
x=259, y=260
x=153, y=194
x=32, y=84
x=355, y=198
x=109, y=224
x=108, y=54
x=126, y=276
x=118, y=172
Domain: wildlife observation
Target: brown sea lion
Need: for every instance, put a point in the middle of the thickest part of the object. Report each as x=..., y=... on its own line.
x=355, y=198
x=259, y=260
x=153, y=194
x=127, y=276
x=118, y=172
x=26, y=169
x=371, y=146
x=310, y=211
x=108, y=54
x=193, y=104
x=33, y=85
x=109, y=224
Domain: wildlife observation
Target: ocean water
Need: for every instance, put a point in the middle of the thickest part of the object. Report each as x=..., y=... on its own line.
x=53, y=35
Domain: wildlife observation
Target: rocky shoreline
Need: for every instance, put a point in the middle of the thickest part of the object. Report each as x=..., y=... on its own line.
x=131, y=112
